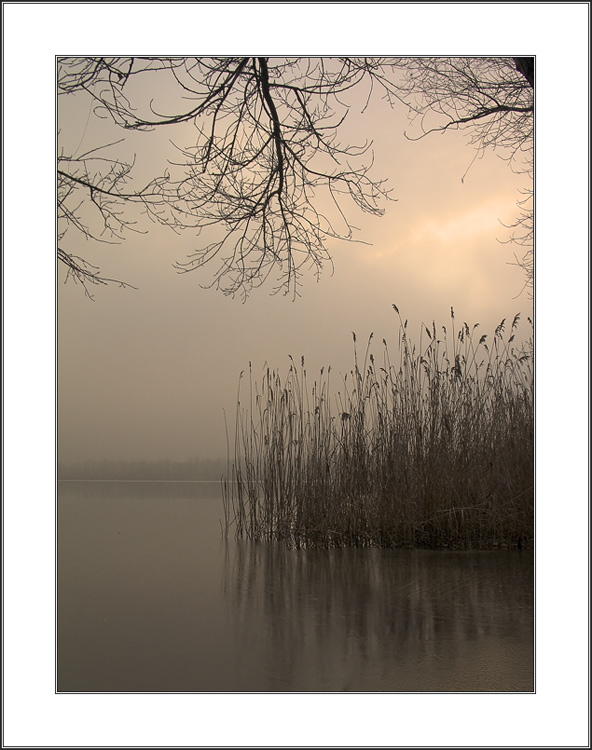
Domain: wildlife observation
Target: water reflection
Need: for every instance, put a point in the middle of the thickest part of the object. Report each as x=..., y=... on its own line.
x=383, y=620
x=152, y=599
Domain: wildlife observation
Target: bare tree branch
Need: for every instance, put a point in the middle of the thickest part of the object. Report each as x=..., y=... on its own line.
x=265, y=153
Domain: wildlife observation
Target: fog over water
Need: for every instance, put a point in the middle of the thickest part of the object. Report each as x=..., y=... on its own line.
x=148, y=374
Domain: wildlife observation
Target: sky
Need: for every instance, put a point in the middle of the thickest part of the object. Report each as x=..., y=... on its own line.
x=558, y=34
x=153, y=373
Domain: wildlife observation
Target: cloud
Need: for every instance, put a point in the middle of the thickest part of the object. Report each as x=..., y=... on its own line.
x=457, y=230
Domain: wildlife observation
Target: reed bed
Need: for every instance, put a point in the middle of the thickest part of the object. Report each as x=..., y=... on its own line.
x=434, y=449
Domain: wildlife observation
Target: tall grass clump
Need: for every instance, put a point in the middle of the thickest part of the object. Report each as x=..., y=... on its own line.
x=433, y=448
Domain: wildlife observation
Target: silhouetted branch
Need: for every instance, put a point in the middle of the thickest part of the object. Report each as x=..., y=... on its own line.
x=525, y=65
x=264, y=151
x=84, y=273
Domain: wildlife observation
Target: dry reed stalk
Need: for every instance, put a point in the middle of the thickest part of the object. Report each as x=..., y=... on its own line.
x=437, y=451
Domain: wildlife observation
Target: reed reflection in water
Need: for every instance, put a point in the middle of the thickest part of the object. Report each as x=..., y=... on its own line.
x=382, y=620
x=152, y=598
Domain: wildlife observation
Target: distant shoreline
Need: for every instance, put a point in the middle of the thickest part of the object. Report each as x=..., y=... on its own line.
x=188, y=481
x=161, y=470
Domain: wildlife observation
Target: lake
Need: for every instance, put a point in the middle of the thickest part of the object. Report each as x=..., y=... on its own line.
x=152, y=598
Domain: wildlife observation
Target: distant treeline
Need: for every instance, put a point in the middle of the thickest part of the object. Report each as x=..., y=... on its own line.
x=163, y=469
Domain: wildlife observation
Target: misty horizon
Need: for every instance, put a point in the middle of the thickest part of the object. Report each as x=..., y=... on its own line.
x=162, y=469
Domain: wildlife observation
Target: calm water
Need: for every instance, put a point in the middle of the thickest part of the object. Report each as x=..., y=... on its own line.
x=152, y=598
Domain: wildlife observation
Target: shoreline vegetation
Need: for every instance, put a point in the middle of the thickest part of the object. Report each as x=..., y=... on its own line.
x=432, y=449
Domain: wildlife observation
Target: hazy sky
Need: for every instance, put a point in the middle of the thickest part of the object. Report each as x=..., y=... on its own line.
x=147, y=374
